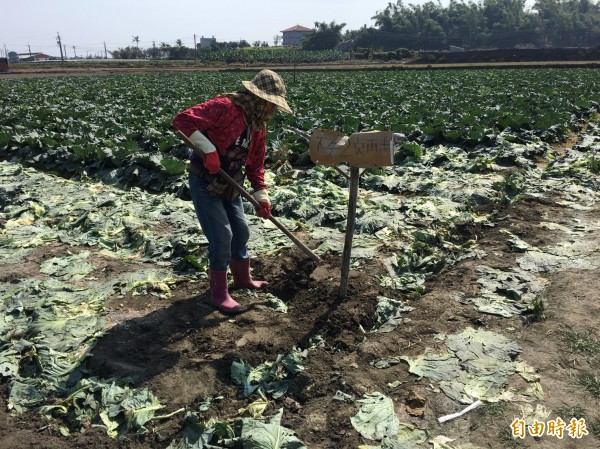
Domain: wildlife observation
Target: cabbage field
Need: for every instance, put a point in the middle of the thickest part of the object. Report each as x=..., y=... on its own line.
x=119, y=126
x=107, y=338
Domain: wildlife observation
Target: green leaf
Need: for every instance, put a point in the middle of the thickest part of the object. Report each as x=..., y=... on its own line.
x=434, y=366
x=275, y=303
x=173, y=166
x=388, y=314
x=408, y=437
x=263, y=434
x=140, y=409
x=5, y=139
x=376, y=418
x=70, y=268
x=119, y=408
x=268, y=377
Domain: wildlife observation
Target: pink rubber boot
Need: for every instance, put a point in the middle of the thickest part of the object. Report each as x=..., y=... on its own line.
x=219, y=295
x=240, y=269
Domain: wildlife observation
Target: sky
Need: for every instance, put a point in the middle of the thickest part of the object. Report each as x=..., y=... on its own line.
x=88, y=24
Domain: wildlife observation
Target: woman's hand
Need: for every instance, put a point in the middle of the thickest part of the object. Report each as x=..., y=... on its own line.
x=262, y=198
x=264, y=211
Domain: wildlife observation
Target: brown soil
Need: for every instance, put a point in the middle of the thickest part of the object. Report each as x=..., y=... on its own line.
x=182, y=348
x=111, y=68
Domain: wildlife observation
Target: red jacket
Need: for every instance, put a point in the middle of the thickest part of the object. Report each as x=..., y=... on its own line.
x=223, y=122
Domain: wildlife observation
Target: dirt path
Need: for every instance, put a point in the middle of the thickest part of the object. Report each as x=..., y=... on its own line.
x=115, y=68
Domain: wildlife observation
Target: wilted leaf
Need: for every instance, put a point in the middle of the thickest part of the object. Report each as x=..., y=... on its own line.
x=376, y=417
x=388, y=314
x=268, y=434
x=435, y=367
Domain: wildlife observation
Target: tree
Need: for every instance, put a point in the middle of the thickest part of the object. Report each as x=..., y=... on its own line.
x=180, y=51
x=136, y=39
x=153, y=52
x=127, y=53
x=164, y=50
x=483, y=24
x=277, y=39
x=325, y=37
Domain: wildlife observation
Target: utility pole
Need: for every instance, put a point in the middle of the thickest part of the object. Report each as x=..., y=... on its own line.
x=29, y=46
x=105, y=53
x=75, y=54
x=195, y=48
x=62, y=56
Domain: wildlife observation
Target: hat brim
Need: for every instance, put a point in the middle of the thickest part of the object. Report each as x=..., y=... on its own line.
x=275, y=99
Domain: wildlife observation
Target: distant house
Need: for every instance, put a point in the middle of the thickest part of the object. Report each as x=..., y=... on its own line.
x=206, y=42
x=292, y=37
x=32, y=57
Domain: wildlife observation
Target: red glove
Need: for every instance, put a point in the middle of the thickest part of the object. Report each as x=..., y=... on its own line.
x=264, y=211
x=262, y=198
x=212, y=163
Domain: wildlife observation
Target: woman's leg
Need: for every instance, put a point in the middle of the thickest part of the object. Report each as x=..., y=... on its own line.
x=239, y=228
x=214, y=221
x=213, y=217
x=240, y=262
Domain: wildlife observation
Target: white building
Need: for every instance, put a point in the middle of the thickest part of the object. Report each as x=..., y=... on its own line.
x=206, y=42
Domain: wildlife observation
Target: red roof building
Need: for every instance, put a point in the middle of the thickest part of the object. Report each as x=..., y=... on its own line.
x=292, y=37
x=31, y=57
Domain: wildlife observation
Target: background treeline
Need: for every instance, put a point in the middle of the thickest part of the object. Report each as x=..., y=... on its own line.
x=236, y=55
x=483, y=24
x=400, y=30
x=180, y=51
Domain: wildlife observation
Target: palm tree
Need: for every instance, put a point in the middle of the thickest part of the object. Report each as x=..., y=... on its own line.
x=165, y=50
x=136, y=39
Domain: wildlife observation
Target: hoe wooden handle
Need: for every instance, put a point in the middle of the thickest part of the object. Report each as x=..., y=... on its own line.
x=251, y=199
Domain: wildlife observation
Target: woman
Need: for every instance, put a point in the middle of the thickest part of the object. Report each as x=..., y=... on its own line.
x=231, y=132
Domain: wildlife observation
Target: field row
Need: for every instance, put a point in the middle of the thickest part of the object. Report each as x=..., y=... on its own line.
x=112, y=123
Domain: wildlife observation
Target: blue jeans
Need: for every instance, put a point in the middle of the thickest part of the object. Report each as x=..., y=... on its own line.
x=223, y=223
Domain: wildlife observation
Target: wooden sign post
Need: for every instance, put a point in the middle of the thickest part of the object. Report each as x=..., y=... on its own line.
x=350, y=224
x=359, y=150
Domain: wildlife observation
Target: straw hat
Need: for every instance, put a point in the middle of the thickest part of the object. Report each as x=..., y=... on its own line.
x=269, y=86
